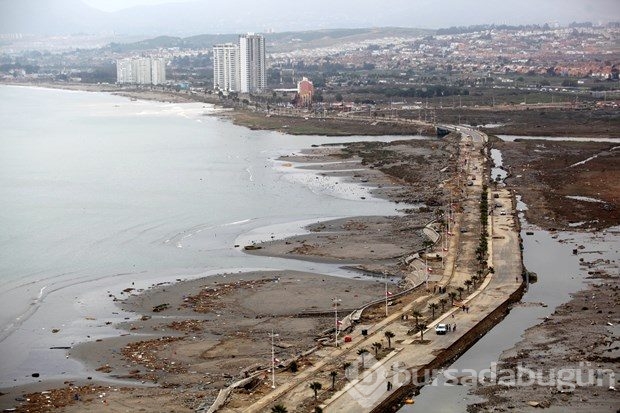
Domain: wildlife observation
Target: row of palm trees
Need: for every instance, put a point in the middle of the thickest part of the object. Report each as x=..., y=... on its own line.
x=317, y=386
x=389, y=335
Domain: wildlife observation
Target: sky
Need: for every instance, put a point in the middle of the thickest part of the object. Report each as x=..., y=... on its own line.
x=115, y=5
x=192, y=17
x=507, y=10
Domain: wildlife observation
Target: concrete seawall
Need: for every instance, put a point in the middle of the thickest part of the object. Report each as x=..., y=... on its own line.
x=451, y=353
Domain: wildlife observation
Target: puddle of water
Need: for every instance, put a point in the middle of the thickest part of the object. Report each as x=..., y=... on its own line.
x=511, y=138
x=498, y=162
x=584, y=198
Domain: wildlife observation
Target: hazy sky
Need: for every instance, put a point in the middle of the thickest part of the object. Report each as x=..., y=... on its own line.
x=114, y=5
x=471, y=11
x=192, y=17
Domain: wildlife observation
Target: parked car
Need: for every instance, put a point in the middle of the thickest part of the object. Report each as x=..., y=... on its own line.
x=441, y=329
x=502, y=212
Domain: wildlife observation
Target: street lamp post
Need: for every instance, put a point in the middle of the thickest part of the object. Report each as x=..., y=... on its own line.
x=336, y=300
x=273, y=361
x=386, y=294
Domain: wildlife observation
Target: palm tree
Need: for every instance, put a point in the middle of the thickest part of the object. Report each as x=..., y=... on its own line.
x=433, y=307
x=362, y=352
x=389, y=335
x=421, y=327
x=345, y=366
x=417, y=315
x=468, y=284
x=333, y=374
x=452, y=297
x=376, y=346
x=316, y=386
x=460, y=290
x=278, y=408
x=443, y=303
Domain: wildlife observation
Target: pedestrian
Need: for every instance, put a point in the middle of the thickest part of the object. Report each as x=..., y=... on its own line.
x=448, y=327
x=454, y=328
x=467, y=309
x=434, y=289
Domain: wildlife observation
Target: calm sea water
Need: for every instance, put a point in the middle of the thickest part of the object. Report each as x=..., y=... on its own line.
x=98, y=190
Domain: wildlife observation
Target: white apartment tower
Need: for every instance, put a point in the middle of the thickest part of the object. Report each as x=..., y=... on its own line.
x=141, y=71
x=251, y=63
x=158, y=71
x=124, y=71
x=226, y=67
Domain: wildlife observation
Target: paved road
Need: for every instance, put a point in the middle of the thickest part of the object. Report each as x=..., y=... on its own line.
x=366, y=393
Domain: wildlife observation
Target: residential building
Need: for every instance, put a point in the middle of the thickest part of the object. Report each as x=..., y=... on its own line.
x=124, y=71
x=226, y=67
x=305, y=90
x=141, y=71
x=252, y=63
x=158, y=71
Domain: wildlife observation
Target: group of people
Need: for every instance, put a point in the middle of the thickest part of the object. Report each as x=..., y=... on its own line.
x=451, y=327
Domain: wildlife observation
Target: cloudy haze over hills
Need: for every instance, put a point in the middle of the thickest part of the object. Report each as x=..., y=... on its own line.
x=154, y=17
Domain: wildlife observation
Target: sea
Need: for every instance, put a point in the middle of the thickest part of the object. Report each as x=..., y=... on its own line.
x=100, y=192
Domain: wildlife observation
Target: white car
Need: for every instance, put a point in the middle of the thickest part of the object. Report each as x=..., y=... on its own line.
x=441, y=329
x=502, y=212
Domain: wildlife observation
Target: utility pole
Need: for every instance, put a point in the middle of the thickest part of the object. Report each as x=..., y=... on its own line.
x=335, y=300
x=386, y=294
x=273, y=361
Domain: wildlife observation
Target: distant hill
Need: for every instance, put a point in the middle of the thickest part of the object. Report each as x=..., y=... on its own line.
x=277, y=42
x=190, y=18
x=193, y=17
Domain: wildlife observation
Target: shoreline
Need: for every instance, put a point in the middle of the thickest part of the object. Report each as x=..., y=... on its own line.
x=304, y=124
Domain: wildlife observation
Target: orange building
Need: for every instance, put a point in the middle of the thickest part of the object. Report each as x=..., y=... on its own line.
x=305, y=90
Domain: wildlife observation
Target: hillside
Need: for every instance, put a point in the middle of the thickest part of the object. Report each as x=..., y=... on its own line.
x=277, y=42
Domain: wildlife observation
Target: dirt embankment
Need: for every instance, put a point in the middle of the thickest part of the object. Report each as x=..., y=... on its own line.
x=566, y=185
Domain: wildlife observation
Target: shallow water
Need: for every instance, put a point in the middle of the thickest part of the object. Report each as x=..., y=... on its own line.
x=99, y=192
x=510, y=138
x=498, y=162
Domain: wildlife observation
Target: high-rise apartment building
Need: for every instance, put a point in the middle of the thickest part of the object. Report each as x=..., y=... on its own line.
x=158, y=71
x=226, y=67
x=240, y=67
x=141, y=71
x=125, y=72
x=252, y=63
